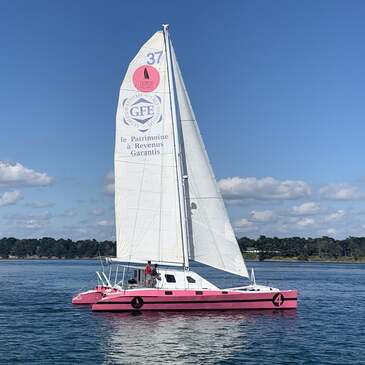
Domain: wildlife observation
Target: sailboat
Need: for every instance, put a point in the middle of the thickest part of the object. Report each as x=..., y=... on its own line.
x=168, y=207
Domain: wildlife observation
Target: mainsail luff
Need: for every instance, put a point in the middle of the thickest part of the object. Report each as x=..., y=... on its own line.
x=178, y=152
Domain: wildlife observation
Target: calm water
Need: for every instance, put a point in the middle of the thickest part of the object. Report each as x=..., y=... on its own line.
x=39, y=325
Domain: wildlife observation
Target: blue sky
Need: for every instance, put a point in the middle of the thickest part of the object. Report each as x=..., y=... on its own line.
x=278, y=89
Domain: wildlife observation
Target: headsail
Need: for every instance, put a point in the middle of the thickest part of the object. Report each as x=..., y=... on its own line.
x=213, y=240
x=148, y=224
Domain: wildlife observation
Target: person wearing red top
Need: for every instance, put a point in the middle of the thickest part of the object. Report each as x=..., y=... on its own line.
x=148, y=273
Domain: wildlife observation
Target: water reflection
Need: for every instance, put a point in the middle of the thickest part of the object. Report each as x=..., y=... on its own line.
x=178, y=338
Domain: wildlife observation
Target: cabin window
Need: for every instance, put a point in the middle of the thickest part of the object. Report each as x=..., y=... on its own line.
x=198, y=292
x=170, y=278
x=224, y=292
x=190, y=279
x=168, y=292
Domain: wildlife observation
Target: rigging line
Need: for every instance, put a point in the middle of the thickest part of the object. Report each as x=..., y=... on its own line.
x=176, y=140
x=162, y=169
x=202, y=211
x=186, y=188
x=101, y=261
x=205, y=198
x=185, y=184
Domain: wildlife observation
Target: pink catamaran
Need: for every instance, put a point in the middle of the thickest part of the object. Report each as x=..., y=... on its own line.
x=168, y=207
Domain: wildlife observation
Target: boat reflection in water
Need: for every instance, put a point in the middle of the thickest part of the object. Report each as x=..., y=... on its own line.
x=180, y=337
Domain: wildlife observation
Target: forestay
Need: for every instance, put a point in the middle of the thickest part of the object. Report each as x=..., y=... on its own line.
x=148, y=225
x=212, y=240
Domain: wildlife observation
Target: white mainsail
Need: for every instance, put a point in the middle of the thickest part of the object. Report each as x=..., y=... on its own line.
x=213, y=241
x=147, y=207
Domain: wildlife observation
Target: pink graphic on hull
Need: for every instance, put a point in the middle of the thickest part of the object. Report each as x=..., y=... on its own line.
x=146, y=78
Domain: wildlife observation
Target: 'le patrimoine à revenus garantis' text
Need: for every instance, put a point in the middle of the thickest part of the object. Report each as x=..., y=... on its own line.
x=144, y=145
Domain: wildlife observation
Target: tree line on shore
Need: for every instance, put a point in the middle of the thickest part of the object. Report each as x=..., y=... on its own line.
x=323, y=248
x=47, y=247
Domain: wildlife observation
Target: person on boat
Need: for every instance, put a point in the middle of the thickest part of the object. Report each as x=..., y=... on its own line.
x=148, y=274
x=155, y=275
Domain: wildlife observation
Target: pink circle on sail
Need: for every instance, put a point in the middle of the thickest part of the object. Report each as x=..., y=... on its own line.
x=146, y=78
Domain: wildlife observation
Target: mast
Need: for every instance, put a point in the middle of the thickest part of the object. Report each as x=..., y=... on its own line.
x=178, y=151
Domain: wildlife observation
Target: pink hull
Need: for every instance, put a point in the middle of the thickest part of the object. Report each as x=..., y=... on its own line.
x=90, y=296
x=161, y=300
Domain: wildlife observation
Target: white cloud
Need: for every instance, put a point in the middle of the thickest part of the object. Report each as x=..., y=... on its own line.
x=268, y=188
x=341, y=192
x=308, y=208
x=19, y=175
x=40, y=205
x=105, y=223
x=109, y=183
x=331, y=232
x=262, y=216
x=22, y=216
x=10, y=198
x=334, y=217
x=305, y=222
x=33, y=224
x=98, y=211
x=69, y=213
x=86, y=230
x=29, y=221
x=244, y=225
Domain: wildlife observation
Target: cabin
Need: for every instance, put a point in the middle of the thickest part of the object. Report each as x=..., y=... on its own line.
x=133, y=277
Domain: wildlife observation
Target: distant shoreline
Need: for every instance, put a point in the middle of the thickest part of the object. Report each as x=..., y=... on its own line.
x=313, y=259
x=49, y=258
x=294, y=249
x=324, y=261
x=248, y=259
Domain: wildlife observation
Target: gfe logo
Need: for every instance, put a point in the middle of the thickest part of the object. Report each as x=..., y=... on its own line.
x=142, y=111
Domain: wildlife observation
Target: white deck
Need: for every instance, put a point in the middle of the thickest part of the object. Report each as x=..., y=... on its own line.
x=172, y=279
